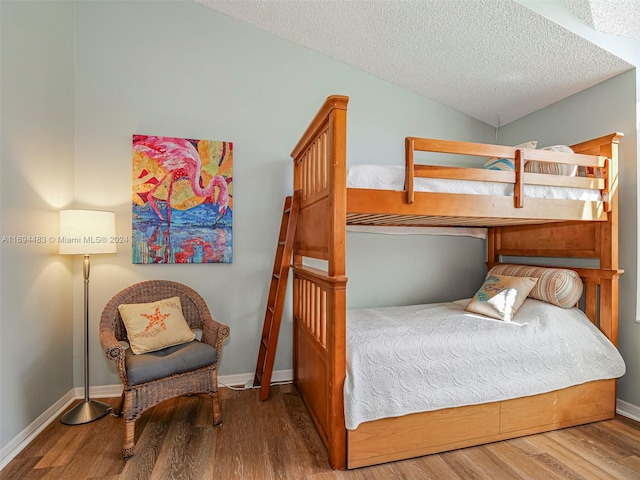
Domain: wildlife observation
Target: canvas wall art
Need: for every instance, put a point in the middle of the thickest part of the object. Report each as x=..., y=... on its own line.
x=182, y=200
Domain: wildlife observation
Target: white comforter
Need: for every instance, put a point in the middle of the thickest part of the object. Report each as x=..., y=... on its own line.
x=391, y=177
x=410, y=359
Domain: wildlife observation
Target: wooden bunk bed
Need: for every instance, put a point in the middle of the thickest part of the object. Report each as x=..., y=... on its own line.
x=517, y=226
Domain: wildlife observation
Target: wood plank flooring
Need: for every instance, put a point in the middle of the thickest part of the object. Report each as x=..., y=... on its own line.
x=277, y=440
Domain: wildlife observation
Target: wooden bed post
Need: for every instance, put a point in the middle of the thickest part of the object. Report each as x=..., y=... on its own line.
x=320, y=297
x=609, y=245
x=337, y=268
x=338, y=192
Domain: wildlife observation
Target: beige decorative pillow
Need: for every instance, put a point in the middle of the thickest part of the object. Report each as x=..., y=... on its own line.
x=495, y=163
x=553, y=168
x=558, y=286
x=154, y=326
x=500, y=296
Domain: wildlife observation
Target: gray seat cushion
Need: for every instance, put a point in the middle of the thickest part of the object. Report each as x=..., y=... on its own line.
x=150, y=366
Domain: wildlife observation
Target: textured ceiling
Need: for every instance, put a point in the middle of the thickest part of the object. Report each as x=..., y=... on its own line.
x=494, y=60
x=619, y=17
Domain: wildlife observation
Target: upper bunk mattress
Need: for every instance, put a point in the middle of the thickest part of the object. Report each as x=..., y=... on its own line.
x=410, y=359
x=391, y=177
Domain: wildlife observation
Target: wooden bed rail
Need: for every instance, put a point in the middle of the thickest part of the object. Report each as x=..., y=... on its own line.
x=597, y=167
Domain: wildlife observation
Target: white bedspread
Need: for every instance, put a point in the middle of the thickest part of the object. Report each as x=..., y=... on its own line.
x=391, y=177
x=410, y=359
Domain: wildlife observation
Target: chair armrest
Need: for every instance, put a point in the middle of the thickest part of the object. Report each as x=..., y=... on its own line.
x=114, y=351
x=214, y=333
x=110, y=345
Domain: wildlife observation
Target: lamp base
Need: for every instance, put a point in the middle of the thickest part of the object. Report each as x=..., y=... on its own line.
x=85, y=412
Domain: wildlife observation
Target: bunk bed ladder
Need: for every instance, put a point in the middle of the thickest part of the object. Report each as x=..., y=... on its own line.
x=275, y=301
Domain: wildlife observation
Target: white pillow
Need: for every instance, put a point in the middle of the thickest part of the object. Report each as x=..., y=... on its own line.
x=500, y=296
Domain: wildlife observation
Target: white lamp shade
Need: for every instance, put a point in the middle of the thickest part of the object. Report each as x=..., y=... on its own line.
x=84, y=232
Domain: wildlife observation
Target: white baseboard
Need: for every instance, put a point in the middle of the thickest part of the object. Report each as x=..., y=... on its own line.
x=246, y=379
x=20, y=441
x=628, y=410
x=99, y=391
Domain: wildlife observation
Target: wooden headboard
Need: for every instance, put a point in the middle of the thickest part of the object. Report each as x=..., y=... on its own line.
x=589, y=240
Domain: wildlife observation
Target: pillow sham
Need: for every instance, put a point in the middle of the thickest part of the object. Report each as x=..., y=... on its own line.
x=500, y=296
x=495, y=163
x=156, y=325
x=558, y=286
x=553, y=168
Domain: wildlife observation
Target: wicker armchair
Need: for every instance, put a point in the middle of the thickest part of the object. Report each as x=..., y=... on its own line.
x=141, y=396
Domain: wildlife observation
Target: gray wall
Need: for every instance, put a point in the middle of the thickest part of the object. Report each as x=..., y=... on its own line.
x=600, y=110
x=37, y=116
x=78, y=79
x=180, y=69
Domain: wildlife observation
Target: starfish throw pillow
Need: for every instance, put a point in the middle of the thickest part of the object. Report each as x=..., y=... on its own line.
x=154, y=326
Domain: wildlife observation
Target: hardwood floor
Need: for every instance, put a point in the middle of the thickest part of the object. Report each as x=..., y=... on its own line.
x=276, y=440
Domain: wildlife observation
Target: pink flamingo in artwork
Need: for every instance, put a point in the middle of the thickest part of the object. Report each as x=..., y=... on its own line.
x=178, y=156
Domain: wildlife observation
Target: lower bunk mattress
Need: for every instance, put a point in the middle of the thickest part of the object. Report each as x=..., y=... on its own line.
x=418, y=358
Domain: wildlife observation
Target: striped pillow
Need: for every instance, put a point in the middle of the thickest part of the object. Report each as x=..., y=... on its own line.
x=499, y=164
x=495, y=163
x=553, y=168
x=558, y=286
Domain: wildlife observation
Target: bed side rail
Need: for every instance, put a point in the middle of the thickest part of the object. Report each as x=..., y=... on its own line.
x=596, y=166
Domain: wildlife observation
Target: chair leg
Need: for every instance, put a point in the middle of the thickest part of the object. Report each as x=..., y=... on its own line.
x=129, y=434
x=119, y=409
x=217, y=414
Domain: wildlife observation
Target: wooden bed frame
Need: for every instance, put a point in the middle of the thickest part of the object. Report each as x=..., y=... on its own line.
x=518, y=226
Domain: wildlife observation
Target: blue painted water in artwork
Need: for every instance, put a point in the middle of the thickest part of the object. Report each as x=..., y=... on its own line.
x=197, y=235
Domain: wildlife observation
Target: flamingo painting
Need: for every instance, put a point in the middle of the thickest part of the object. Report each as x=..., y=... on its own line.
x=182, y=200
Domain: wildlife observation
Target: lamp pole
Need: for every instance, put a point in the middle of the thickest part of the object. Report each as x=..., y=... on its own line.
x=83, y=227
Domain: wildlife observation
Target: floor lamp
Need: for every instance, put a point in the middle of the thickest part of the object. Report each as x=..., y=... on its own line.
x=86, y=232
